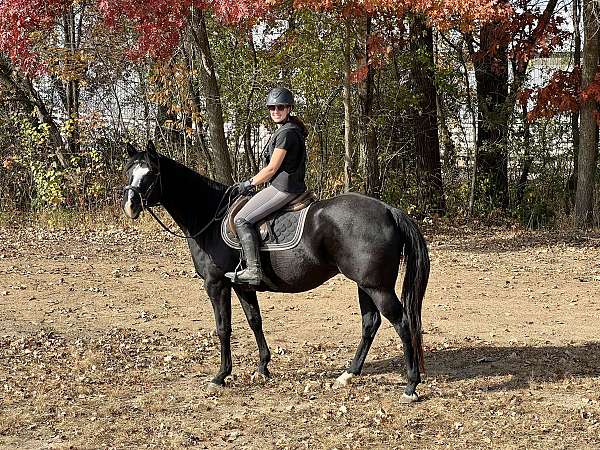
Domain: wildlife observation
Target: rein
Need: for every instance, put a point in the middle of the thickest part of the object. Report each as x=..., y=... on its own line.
x=215, y=218
x=219, y=213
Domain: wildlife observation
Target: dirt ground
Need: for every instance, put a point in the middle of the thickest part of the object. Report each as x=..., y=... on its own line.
x=107, y=341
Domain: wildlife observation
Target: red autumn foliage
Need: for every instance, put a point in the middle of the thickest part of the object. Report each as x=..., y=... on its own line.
x=592, y=92
x=359, y=74
x=524, y=34
x=378, y=50
x=238, y=11
x=18, y=20
x=533, y=34
x=561, y=94
x=158, y=23
x=443, y=14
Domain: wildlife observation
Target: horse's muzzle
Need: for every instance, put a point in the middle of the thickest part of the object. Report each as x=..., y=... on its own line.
x=131, y=205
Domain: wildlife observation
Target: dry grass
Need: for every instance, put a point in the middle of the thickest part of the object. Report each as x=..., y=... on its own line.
x=107, y=342
x=129, y=390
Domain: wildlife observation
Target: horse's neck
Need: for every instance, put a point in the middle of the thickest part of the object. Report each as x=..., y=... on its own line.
x=189, y=198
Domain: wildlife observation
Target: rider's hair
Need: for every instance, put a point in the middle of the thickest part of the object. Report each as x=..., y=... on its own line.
x=296, y=120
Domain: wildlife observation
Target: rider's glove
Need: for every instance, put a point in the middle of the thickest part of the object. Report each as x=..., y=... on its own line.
x=245, y=187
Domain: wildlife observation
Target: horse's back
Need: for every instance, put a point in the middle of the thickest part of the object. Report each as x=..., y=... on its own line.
x=354, y=216
x=359, y=202
x=359, y=235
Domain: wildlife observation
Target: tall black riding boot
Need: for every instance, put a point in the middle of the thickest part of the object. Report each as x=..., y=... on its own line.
x=250, y=243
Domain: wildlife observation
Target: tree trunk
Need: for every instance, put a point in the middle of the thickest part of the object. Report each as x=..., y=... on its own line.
x=211, y=92
x=29, y=98
x=491, y=74
x=519, y=76
x=368, y=151
x=250, y=157
x=204, y=158
x=572, y=182
x=496, y=103
x=71, y=85
x=348, y=151
x=449, y=159
x=424, y=123
x=253, y=165
x=468, y=40
x=588, y=150
x=526, y=163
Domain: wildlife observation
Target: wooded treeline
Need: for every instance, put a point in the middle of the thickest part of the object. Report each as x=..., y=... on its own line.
x=447, y=108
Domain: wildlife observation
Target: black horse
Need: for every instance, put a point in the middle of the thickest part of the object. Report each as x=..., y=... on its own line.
x=352, y=234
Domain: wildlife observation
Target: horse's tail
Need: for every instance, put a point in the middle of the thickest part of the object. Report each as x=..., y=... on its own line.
x=415, y=277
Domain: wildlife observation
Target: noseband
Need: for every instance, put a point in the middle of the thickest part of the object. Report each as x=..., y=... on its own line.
x=144, y=199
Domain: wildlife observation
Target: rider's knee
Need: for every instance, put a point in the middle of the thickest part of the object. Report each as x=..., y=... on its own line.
x=239, y=220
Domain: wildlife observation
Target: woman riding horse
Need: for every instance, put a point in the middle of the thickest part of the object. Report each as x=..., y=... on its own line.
x=360, y=237
x=285, y=165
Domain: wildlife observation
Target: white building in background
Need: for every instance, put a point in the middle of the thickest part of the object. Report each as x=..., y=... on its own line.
x=540, y=71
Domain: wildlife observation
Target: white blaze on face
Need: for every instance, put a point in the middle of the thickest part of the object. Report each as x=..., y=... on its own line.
x=138, y=174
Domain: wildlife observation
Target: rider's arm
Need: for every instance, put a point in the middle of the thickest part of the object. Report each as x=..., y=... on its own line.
x=268, y=171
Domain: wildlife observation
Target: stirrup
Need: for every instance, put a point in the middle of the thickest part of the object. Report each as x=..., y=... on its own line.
x=235, y=277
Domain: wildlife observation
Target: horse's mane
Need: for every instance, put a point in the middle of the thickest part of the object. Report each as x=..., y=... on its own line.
x=192, y=176
x=190, y=197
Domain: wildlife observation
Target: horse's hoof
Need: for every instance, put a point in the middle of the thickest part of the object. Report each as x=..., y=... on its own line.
x=259, y=378
x=409, y=398
x=214, y=388
x=342, y=380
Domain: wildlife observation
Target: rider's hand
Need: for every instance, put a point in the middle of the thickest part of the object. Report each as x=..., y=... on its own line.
x=244, y=187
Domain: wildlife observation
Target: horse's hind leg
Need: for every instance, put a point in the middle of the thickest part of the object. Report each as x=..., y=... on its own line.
x=371, y=319
x=250, y=306
x=391, y=308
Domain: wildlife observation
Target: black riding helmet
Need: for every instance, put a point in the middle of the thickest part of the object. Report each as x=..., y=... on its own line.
x=280, y=96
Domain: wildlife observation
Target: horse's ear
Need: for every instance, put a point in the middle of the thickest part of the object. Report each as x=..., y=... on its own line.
x=131, y=150
x=151, y=149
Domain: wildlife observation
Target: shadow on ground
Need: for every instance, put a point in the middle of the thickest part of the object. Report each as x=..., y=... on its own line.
x=524, y=364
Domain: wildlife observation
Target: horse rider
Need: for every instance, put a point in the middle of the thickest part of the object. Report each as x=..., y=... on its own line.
x=284, y=166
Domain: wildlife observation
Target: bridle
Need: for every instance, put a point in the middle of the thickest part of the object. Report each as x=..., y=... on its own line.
x=150, y=190
x=219, y=213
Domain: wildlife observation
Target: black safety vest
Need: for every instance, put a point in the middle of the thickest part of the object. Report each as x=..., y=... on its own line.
x=288, y=179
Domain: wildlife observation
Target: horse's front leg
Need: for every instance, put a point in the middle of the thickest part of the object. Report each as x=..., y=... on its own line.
x=250, y=306
x=219, y=292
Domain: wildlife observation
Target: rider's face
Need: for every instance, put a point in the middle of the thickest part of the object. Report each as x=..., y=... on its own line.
x=279, y=112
